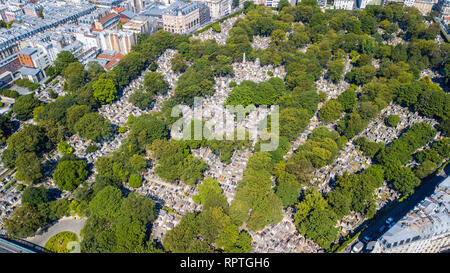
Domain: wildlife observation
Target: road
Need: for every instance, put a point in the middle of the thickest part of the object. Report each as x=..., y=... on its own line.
x=401, y=209
x=18, y=246
x=9, y=247
x=64, y=224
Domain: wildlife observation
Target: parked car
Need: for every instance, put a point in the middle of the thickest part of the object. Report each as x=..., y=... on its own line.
x=357, y=247
x=389, y=220
x=381, y=229
x=367, y=238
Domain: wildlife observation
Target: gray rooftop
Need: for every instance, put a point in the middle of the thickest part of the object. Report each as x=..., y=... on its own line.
x=27, y=51
x=181, y=7
x=28, y=71
x=429, y=218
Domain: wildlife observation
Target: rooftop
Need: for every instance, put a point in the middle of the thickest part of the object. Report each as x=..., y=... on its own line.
x=29, y=71
x=27, y=51
x=181, y=7
x=430, y=217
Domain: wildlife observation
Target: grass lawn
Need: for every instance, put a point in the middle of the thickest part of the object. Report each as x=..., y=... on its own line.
x=58, y=243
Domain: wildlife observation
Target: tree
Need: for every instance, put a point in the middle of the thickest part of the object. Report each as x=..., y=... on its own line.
x=24, y=105
x=335, y=70
x=278, y=36
x=93, y=126
x=369, y=45
x=425, y=168
x=182, y=238
x=129, y=234
x=24, y=221
x=145, y=129
x=330, y=111
x=288, y=189
x=139, y=207
x=178, y=63
x=63, y=59
x=9, y=157
x=369, y=148
x=29, y=169
x=30, y=139
x=293, y=121
x=340, y=202
x=216, y=27
x=94, y=69
x=282, y=4
x=242, y=244
x=315, y=220
x=6, y=127
x=348, y=99
x=54, y=131
x=141, y=98
x=211, y=222
x=209, y=188
x=74, y=114
x=351, y=125
x=223, y=66
x=69, y=174
x=35, y=195
x=405, y=181
x=193, y=168
x=155, y=83
x=433, y=102
x=106, y=203
x=135, y=180
x=197, y=81
x=392, y=120
x=74, y=75
x=361, y=75
x=64, y=148
x=104, y=91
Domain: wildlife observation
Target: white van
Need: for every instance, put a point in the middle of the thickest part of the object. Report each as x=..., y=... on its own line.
x=357, y=247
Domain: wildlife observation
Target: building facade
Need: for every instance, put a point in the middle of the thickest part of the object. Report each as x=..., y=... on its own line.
x=138, y=25
x=425, y=229
x=136, y=6
x=33, y=57
x=217, y=8
x=184, y=17
x=443, y=7
x=118, y=41
x=344, y=4
x=107, y=21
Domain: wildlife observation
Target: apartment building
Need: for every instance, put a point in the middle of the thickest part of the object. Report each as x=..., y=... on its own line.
x=184, y=17
x=107, y=21
x=33, y=57
x=217, y=8
x=136, y=6
x=138, y=25
x=361, y=4
x=344, y=4
x=32, y=9
x=443, y=6
x=424, y=6
x=425, y=229
x=118, y=41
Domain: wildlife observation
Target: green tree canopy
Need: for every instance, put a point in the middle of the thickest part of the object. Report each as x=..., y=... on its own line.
x=69, y=174
x=104, y=91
